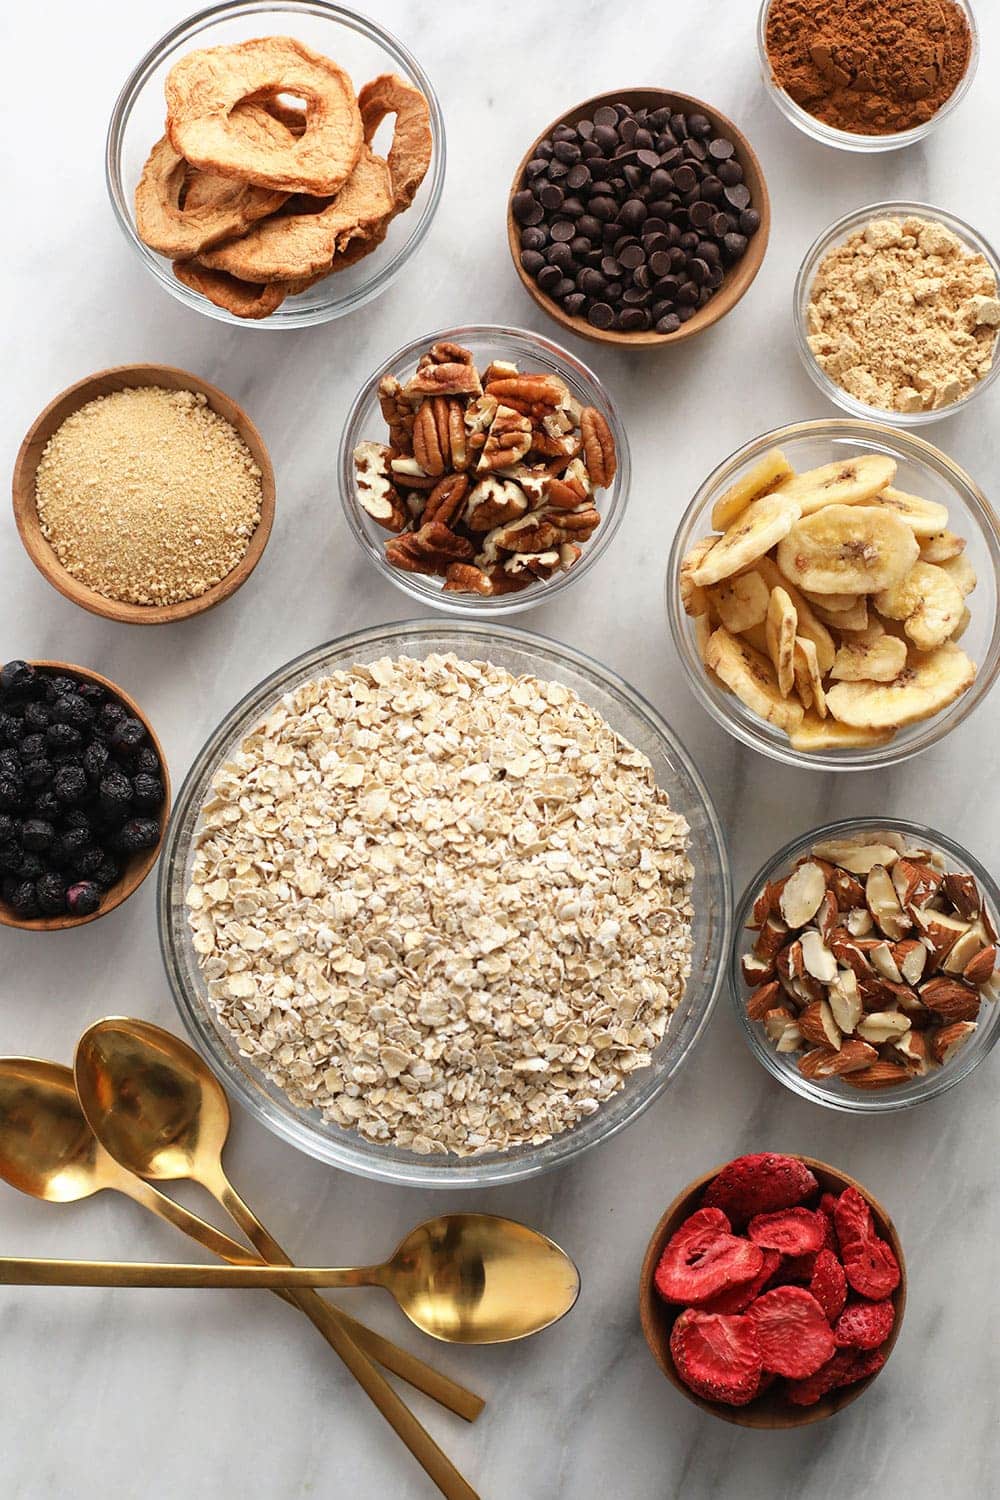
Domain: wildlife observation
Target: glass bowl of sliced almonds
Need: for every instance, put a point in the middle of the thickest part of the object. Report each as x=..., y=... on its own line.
x=864, y=968
x=832, y=594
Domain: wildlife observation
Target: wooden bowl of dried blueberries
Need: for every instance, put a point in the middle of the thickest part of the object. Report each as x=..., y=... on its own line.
x=638, y=218
x=84, y=796
x=773, y=1291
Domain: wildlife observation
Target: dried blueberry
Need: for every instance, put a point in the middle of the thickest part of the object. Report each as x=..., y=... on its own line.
x=74, y=711
x=92, y=693
x=70, y=845
x=116, y=794
x=70, y=784
x=63, y=739
x=10, y=763
x=38, y=773
x=138, y=833
x=24, y=900
x=51, y=892
x=88, y=861
x=10, y=858
x=31, y=867
x=32, y=747
x=147, y=791
x=107, y=872
x=11, y=791
x=8, y=827
x=127, y=736
x=17, y=678
x=60, y=686
x=37, y=834
x=95, y=758
x=83, y=898
x=110, y=715
x=147, y=761
x=37, y=716
x=10, y=728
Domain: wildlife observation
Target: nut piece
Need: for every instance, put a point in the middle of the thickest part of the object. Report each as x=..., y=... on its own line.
x=939, y=931
x=822, y=1062
x=817, y=958
x=764, y=998
x=598, y=447
x=883, y=1026
x=946, y=1042
x=881, y=1075
x=845, y=1001
x=802, y=893
x=376, y=493
x=915, y=883
x=884, y=906
x=817, y=1025
x=950, y=999
x=856, y=858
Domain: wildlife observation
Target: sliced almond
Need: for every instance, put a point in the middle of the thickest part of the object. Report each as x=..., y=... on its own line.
x=756, y=970
x=849, y=891
x=913, y=1052
x=980, y=969
x=828, y=917
x=963, y=893
x=765, y=902
x=881, y=1075
x=939, y=931
x=915, y=883
x=771, y=938
x=951, y=999
x=845, y=1001
x=851, y=952
x=790, y=1039
x=950, y=1039
x=764, y=998
x=816, y=956
x=823, y=1062
x=817, y=1025
x=883, y=903
x=884, y=963
x=880, y=1026
x=965, y=948
x=802, y=894
x=854, y=856
x=859, y=921
x=910, y=957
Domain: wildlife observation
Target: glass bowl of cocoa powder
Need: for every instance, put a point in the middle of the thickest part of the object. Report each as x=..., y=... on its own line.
x=922, y=55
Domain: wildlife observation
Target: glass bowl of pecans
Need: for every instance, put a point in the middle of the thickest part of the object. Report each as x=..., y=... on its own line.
x=864, y=967
x=832, y=594
x=483, y=469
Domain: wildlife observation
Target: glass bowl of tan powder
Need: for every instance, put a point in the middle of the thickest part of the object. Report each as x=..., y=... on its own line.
x=494, y=915
x=144, y=494
x=897, y=313
x=867, y=77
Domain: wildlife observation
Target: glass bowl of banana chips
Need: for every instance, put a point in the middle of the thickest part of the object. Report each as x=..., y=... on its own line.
x=832, y=592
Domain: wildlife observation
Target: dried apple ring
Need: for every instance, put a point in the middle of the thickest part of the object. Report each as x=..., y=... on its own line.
x=244, y=299
x=289, y=246
x=410, y=153
x=204, y=88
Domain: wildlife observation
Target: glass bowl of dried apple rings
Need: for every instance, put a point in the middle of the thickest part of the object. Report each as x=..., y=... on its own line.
x=483, y=469
x=832, y=594
x=864, y=971
x=300, y=167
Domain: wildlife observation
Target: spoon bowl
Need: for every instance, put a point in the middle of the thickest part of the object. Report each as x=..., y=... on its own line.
x=47, y=1149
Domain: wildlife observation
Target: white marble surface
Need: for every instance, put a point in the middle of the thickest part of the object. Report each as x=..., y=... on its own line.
x=158, y=1396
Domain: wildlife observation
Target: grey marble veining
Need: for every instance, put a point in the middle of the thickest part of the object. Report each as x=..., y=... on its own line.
x=196, y=1396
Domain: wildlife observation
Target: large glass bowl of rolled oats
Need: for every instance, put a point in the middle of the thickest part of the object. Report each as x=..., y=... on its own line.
x=444, y=904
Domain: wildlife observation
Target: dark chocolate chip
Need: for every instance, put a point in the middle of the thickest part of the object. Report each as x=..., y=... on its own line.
x=749, y=221
x=566, y=151
x=734, y=245
x=574, y=304
x=730, y=172
x=632, y=256
x=631, y=320
x=720, y=149
x=577, y=176
x=668, y=324
x=548, y=278
x=738, y=196
x=701, y=214
x=601, y=315
x=551, y=196
x=532, y=261
x=526, y=209
x=563, y=229
x=685, y=178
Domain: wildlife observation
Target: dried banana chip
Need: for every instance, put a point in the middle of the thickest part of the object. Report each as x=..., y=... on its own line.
x=693, y=598
x=963, y=624
x=855, y=618
x=752, y=678
x=928, y=683
x=848, y=483
x=766, y=474
x=923, y=517
x=740, y=602
x=872, y=656
x=941, y=547
x=845, y=549
x=762, y=524
x=808, y=625
x=833, y=604
x=808, y=679
x=962, y=574
x=815, y=733
x=927, y=601
x=779, y=628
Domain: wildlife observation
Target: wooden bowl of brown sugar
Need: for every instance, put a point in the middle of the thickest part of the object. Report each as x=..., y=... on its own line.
x=738, y=274
x=129, y=378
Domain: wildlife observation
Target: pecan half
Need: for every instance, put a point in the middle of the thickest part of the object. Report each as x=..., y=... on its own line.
x=376, y=492
x=598, y=447
x=398, y=413
x=427, y=440
x=507, y=441
x=449, y=379
x=446, y=500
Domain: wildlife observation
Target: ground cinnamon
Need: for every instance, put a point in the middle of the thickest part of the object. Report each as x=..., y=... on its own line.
x=874, y=67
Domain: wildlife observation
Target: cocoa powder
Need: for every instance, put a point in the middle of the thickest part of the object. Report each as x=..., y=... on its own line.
x=873, y=67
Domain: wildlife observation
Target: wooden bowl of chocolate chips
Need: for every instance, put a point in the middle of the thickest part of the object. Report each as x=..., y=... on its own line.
x=639, y=218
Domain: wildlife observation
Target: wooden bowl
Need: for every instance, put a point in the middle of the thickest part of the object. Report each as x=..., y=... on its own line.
x=139, y=865
x=26, y=511
x=737, y=279
x=658, y=1317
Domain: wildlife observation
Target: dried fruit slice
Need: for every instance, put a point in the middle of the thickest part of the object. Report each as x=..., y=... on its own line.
x=779, y=632
x=808, y=678
x=737, y=1299
x=716, y=1356
x=693, y=598
x=864, y=1325
x=809, y=625
x=847, y=549
x=793, y=1334
x=924, y=517
x=853, y=619
x=928, y=602
x=760, y=1183
x=703, y=1257
x=852, y=1218
x=870, y=1267
x=793, y=1231
x=815, y=734
x=829, y=1284
x=765, y=476
x=740, y=602
x=941, y=547
x=752, y=534
x=871, y=656
x=752, y=678
x=833, y=604
x=847, y=483
x=962, y=574
x=847, y=1367
x=929, y=683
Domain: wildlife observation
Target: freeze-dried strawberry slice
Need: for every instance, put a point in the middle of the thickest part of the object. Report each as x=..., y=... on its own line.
x=704, y=1258
x=792, y=1331
x=795, y=1270
x=864, y=1325
x=871, y=1268
x=737, y=1299
x=852, y=1218
x=793, y=1231
x=758, y=1184
x=717, y=1356
x=829, y=1284
x=847, y=1367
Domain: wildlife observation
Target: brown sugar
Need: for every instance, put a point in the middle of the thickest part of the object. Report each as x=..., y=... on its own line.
x=873, y=67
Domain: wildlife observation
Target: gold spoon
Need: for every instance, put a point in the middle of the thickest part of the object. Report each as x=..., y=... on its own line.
x=463, y=1278
x=48, y=1151
x=157, y=1109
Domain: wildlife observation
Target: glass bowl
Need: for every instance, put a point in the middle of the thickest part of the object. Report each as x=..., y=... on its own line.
x=924, y=470
x=532, y=351
x=834, y=1093
x=518, y=652
x=359, y=45
x=849, y=140
x=833, y=236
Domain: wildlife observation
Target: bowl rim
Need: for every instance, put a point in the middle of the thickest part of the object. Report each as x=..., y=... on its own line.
x=428, y=591
x=42, y=553
x=857, y=141
x=827, y=240
x=876, y=757
x=888, y=1101
x=761, y=1417
x=734, y=286
x=139, y=866
x=452, y=1172
x=189, y=28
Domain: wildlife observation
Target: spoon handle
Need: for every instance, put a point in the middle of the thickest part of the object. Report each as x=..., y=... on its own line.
x=24, y=1271
x=400, y=1362
x=327, y=1319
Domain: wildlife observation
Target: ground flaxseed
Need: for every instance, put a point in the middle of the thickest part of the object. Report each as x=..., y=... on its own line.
x=148, y=495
